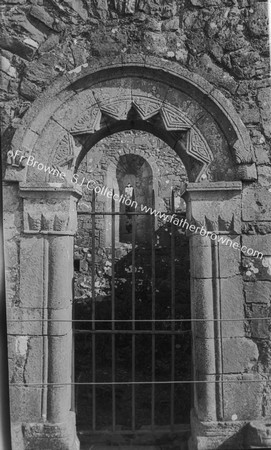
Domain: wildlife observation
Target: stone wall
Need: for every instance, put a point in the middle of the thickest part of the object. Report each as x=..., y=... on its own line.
x=224, y=41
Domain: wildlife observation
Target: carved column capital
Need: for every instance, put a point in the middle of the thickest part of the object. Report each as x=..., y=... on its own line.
x=215, y=206
x=49, y=209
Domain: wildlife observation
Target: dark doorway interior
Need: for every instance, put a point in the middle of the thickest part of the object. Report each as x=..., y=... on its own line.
x=144, y=288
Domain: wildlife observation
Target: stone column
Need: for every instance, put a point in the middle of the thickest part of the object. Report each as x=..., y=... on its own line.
x=220, y=350
x=46, y=285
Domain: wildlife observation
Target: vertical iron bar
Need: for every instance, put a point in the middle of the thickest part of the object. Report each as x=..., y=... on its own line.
x=153, y=313
x=172, y=256
x=133, y=320
x=113, y=228
x=93, y=343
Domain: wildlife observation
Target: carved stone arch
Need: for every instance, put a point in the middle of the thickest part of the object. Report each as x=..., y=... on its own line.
x=189, y=141
x=130, y=92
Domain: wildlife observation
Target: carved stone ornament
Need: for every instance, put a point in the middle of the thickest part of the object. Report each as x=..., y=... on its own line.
x=48, y=211
x=66, y=153
x=89, y=122
x=170, y=118
x=198, y=147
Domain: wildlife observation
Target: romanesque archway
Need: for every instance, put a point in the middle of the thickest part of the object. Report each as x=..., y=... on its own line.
x=81, y=108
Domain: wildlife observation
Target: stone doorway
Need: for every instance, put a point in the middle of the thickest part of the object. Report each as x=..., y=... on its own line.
x=201, y=126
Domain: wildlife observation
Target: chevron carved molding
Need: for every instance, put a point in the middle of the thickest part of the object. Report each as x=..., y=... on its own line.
x=172, y=119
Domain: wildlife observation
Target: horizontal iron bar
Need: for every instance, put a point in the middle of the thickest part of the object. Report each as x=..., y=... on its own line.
x=108, y=383
x=131, y=332
x=106, y=213
x=138, y=320
x=158, y=214
x=178, y=429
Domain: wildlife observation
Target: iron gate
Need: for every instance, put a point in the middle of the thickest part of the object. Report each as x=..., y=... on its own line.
x=139, y=328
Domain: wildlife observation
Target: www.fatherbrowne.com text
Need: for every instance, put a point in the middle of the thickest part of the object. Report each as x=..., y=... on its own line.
x=107, y=192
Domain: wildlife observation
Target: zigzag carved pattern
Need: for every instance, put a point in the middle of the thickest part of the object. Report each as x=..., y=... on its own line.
x=146, y=107
x=174, y=120
x=117, y=109
x=198, y=148
x=65, y=151
x=88, y=123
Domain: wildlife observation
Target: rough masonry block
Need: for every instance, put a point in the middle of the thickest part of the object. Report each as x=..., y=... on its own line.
x=239, y=355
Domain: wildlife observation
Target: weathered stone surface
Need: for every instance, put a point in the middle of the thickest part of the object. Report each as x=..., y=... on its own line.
x=39, y=75
x=258, y=20
x=31, y=272
x=256, y=203
x=24, y=321
x=171, y=24
x=256, y=268
x=242, y=396
x=11, y=255
x=250, y=114
x=60, y=436
x=264, y=176
x=60, y=272
x=40, y=14
x=262, y=156
x=197, y=3
x=25, y=403
x=244, y=63
x=264, y=99
x=247, y=172
x=205, y=395
x=232, y=307
x=202, y=308
x=217, y=210
x=20, y=20
x=239, y=355
x=211, y=435
x=205, y=362
x=216, y=75
x=15, y=45
x=202, y=263
x=59, y=367
x=33, y=367
x=78, y=6
x=155, y=43
x=258, y=434
x=260, y=243
x=229, y=257
x=17, y=440
x=258, y=292
x=153, y=24
x=49, y=44
x=7, y=67
x=263, y=228
x=259, y=325
x=11, y=207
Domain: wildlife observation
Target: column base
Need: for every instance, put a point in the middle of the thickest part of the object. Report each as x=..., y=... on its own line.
x=215, y=435
x=46, y=436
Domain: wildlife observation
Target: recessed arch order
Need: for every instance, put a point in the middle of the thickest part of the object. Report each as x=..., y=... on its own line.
x=96, y=100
